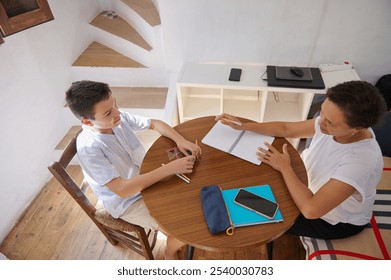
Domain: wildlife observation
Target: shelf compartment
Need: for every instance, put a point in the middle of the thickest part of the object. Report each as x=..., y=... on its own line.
x=200, y=92
x=200, y=107
x=287, y=106
x=199, y=102
x=243, y=108
x=235, y=94
x=242, y=103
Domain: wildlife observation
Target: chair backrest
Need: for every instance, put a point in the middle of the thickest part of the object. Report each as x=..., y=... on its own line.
x=58, y=169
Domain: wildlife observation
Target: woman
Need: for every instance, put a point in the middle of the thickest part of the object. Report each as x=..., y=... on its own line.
x=344, y=161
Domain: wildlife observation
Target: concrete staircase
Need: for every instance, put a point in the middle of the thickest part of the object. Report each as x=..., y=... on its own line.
x=127, y=53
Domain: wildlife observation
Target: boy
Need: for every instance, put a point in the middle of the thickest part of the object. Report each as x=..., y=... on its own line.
x=110, y=155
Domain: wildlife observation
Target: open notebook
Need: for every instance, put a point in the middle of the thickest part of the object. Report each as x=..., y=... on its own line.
x=240, y=143
x=241, y=216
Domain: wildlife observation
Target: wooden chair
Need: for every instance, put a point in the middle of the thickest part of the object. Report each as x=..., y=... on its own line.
x=115, y=230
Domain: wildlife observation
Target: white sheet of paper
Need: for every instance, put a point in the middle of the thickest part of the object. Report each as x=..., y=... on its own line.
x=222, y=137
x=248, y=145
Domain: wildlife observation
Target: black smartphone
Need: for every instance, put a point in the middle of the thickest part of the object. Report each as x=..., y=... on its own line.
x=235, y=74
x=259, y=204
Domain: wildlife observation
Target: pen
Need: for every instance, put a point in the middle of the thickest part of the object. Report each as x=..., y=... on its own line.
x=231, y=121
x=182, y=176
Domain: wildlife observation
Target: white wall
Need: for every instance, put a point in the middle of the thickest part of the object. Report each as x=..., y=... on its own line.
x=285, y=32
x=34, y=74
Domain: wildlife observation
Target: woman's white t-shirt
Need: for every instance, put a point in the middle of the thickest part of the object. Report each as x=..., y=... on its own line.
x=358, y=164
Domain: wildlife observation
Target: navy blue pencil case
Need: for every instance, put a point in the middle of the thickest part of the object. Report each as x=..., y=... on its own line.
x=215, y=211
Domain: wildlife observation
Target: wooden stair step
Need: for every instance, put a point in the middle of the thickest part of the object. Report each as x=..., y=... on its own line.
x=147, y=137
x=70, y=134
x=121, y=28
x=140, y=97
x=98, y=55
x=146, y=9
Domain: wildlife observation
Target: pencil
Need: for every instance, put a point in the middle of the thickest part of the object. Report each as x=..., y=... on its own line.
x=182, y=176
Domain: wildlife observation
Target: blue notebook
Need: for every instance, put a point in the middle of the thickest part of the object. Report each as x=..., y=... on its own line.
x=241, y=216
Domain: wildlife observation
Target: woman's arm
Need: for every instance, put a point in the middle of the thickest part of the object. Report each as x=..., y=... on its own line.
x=302, y=129
x=312, y=206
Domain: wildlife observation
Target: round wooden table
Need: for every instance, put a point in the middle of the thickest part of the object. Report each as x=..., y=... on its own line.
x=176, y=205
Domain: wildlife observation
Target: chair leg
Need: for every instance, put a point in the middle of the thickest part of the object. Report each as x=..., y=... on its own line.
x=105, y=233
x=141, y=246
x=145, y=246
x=154, y=238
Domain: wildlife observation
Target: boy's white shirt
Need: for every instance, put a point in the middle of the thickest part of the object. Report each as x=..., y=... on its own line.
x=104, y=157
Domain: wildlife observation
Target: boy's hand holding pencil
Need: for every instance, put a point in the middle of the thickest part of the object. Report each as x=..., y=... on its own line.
x=180, y=167
x=189, y=148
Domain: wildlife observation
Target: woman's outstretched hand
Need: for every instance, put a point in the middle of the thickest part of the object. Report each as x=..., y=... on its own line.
x=274, y=158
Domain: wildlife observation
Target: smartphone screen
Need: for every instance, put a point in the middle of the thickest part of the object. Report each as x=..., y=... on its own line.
x=260, y=205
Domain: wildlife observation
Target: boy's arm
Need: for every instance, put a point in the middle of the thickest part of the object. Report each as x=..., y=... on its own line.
x=184, y=145
x=126, y=187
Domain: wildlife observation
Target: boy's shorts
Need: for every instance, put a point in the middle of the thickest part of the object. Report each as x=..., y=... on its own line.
x=138, y=214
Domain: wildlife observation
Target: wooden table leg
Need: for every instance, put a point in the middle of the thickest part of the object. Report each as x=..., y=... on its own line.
x=270, y=250
x=189, y=252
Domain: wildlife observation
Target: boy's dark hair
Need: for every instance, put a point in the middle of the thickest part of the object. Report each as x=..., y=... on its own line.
x=360, y=102
x=82, y=97
x=384, y=87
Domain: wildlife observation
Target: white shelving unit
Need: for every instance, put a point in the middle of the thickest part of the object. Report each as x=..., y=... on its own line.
x=203, y=89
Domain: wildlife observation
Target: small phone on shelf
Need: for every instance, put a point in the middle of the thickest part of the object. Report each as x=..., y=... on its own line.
x=256, y=203
x=235, y=74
